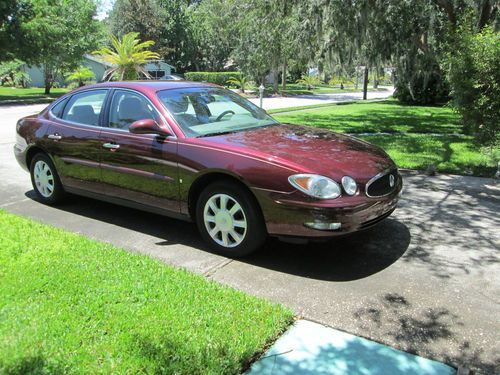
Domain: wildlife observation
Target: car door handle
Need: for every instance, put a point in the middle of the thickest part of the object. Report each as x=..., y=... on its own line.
x=111, y=146
x=55, y=137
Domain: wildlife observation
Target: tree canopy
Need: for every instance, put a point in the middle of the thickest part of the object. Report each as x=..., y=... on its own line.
x=53, y=34
x=415, y=38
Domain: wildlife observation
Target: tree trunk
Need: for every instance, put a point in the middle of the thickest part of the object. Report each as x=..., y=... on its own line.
x=356, y=84
x=484, y=14
x=283, y=78
x=375, y=76
x=320, y=69
x=275, y=81
x=365, y=83
x=48, y=78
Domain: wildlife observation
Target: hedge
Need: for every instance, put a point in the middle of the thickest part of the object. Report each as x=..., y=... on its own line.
x=219, y=78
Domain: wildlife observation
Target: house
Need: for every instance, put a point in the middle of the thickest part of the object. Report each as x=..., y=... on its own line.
x=157, y=69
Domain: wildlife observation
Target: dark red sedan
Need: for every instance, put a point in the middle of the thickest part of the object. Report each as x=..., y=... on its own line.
x=199, y=152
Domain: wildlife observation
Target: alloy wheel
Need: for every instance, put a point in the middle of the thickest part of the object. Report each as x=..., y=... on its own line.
x=44, y=178
x=225, y=220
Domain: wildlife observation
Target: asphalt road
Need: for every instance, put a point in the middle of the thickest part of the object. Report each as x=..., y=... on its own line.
x=425, y=280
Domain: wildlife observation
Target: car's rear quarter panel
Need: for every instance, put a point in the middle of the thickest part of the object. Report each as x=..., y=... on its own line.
x=31, y=132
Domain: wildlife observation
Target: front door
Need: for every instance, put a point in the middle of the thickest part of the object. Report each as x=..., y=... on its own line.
x=74, y=139
x=141, y=168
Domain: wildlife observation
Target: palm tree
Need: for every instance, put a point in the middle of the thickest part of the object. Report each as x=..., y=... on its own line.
x=81, y=75
x=239, y=81
x=127, y=58
x=308, y=81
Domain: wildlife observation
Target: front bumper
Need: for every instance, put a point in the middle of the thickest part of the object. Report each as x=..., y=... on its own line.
x=291, y=214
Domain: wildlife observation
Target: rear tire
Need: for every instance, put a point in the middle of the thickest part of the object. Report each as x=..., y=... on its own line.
x=45, y=180
x=229, y=219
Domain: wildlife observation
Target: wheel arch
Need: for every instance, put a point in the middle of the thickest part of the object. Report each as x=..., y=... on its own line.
x=210, y=177
x=32, y=151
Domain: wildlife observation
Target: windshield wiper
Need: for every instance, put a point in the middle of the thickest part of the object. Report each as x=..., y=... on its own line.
x=216, y=133
x=236, y=130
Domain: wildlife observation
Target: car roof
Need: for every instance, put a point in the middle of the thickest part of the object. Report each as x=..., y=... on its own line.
x=151, y=85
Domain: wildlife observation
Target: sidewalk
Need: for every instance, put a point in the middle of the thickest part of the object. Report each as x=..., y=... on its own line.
x=302, y=100
x=309, y=348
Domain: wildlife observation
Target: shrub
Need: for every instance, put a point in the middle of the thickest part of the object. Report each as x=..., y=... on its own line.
x=219, y=78
x=425, y=87
x=474, y=75
x=80, y=76
x=240, y=81
x=340, y=80
x=13, y=74
x=385, y=79
x=309, y=81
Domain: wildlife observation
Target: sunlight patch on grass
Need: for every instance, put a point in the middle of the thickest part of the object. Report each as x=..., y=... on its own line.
x=71, y=304
x=448, y=153
x=384, y=116
x=29, y=95
x=419, y=135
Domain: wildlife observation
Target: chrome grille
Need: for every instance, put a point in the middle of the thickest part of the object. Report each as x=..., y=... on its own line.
x=382, y=184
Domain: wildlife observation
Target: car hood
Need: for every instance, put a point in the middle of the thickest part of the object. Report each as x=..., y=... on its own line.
x=312, y=150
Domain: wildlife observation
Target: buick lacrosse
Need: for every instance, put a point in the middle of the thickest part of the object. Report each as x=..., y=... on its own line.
x=199, y=152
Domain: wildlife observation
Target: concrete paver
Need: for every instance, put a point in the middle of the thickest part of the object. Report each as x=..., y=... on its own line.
x=426, y=280
x=309, y=348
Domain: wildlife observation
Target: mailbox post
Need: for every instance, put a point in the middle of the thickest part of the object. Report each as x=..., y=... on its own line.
x=261, y=93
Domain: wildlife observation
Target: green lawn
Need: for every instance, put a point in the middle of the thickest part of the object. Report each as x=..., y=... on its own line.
x=30, y=95
x=411, y=145
x=69, y=304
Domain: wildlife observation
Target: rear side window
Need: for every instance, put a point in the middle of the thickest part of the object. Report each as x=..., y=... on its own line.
x=85, y=108
x=58, y=108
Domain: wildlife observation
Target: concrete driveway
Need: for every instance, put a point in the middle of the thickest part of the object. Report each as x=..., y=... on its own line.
x=313, y=99
x=426, y=280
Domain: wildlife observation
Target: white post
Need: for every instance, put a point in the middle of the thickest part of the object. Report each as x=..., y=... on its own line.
x=261, y=93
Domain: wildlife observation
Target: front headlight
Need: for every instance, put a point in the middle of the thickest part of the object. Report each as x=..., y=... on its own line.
x=315, y=185
x=349, y=185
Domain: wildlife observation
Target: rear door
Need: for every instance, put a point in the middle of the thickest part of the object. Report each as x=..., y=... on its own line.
x=74, y=139
x=141, y=168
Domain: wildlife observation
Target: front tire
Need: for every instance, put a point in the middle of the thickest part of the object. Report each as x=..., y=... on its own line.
x=45, y=180
x=229, y=220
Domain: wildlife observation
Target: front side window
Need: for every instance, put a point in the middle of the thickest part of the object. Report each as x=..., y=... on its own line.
x=85, y=108
x=128, y=107
x=210, y=111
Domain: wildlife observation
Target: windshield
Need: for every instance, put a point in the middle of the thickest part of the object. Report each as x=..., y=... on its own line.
x=206, y=111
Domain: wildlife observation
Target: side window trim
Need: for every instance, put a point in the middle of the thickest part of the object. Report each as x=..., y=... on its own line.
x=68, y=99
x=64, y=101
x=104, y=117
x=108, y=110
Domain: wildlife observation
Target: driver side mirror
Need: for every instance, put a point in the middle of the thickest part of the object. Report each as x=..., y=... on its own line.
x=148, y=126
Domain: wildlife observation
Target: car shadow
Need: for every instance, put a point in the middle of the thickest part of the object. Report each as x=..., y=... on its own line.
x=345, y=258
